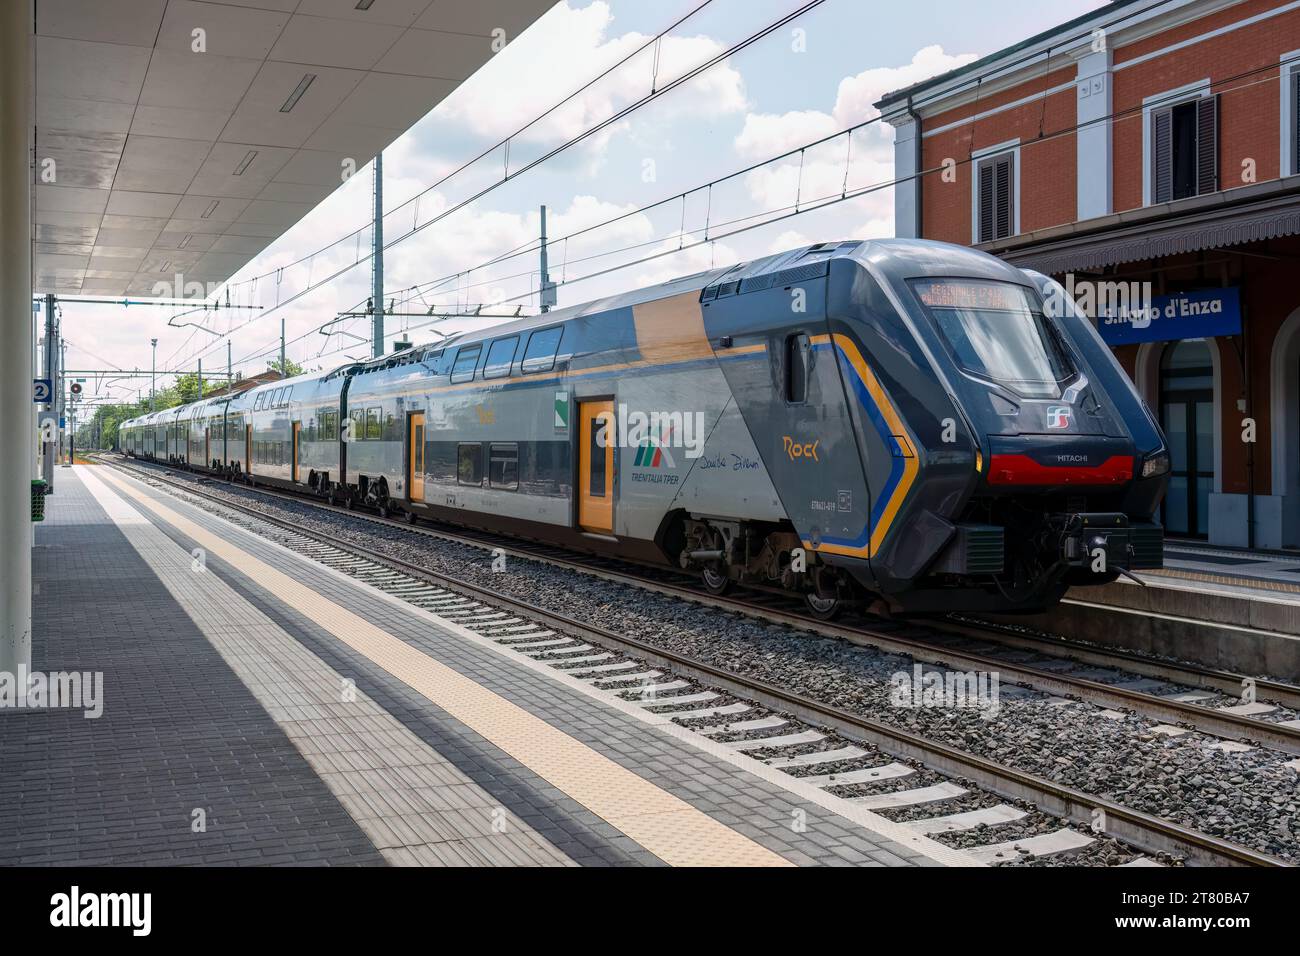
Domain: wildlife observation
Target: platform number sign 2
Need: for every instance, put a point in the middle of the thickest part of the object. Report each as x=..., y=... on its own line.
x=41, y=390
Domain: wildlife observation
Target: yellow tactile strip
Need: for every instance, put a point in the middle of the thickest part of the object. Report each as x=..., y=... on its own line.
x=667, y=826
x=415, y=806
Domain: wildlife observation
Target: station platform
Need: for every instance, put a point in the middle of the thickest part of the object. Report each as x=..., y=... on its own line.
x=1228, y=608
x=259, y=708
x=1273, y=572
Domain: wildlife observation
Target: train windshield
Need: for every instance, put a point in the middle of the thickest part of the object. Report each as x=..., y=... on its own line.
x=996, y=331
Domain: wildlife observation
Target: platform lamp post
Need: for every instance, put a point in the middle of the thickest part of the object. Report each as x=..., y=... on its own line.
x=16, y=438
x=153, y=373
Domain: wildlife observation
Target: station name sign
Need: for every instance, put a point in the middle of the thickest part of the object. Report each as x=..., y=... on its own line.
x=1163, y=318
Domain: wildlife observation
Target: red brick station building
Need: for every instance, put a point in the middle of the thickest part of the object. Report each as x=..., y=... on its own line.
x=1157, y=143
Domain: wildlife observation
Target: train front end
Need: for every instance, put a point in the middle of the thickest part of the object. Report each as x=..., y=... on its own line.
x=1037, y=465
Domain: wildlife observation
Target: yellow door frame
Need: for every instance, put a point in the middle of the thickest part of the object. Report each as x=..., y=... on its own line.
x=415, y=457
x=595, y=506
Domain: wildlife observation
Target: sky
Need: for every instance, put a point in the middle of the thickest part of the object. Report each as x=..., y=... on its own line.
x=812, y=78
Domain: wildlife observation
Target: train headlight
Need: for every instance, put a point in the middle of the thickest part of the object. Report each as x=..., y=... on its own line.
x=1155, y=465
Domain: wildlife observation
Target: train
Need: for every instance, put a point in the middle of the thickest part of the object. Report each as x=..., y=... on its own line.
x=905, y=426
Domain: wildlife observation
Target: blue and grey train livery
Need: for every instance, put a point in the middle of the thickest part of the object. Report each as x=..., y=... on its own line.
x=904, y=423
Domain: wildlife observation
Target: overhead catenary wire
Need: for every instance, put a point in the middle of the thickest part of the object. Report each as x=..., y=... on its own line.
x=769, y=216
x=1124, y=15
x=615, y=117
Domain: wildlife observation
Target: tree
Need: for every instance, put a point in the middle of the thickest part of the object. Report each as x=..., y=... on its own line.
x=289, y=371
x=186, y=388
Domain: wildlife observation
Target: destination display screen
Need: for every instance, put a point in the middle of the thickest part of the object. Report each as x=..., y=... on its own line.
x=953, y=294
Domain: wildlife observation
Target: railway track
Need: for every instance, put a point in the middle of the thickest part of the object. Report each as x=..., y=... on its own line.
x=1112, y=679
x=618, y=662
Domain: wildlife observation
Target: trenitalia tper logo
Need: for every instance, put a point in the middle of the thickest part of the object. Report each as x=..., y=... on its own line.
x=654, y=453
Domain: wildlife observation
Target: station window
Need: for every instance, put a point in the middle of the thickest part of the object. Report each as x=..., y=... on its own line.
x=469, y=463
x=1184, y=157
x=501, y=355
x=996, y=196
x=466, y=361
x=503, y=466
x=797, y=359
x=374, y=428
x=543, y=345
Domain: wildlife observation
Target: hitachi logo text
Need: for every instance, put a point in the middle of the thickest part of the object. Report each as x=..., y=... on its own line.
x=75, y=908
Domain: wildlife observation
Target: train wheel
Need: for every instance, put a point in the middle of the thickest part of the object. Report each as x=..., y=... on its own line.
x=384, y=512
x=715, y=580
x=823, y=608
x=824, y=601
x=411, y=518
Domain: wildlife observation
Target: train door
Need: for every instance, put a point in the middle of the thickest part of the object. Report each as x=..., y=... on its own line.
x=293, y=473
x=415, y=458
x=248, y=449
x=596, y=466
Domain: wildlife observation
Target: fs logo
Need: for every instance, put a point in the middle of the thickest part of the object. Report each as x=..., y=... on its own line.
x=1058, y=416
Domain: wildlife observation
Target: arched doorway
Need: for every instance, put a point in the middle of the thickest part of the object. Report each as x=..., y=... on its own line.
x=1285, y=428
x=1187, y=416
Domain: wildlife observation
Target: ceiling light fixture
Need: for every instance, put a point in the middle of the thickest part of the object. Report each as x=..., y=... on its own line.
x=211, y=209
x=186, y=241
x=245, y=162
x=364, y=4
x=299, y=90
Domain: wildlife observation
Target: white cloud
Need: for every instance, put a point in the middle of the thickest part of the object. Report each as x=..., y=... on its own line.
x=821, y=173
x=767, y=134
x=697, y=258
x=568, y=47
x=790, y=239
x=857, y=94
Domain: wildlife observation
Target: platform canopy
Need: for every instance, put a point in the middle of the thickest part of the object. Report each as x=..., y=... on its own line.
x=187, y=135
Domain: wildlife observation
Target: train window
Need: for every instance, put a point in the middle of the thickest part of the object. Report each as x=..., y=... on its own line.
x=797, y=361
x=466, y=361
x=596, y=488
x=257, y=402
x=392, y=431
x=288, y=393
x=542, y=348
x=469, y=463
x=503, y=466
x=501, y=355
x=994, y=330
x=329, y=425
x=374, y=430
x=357, y=419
